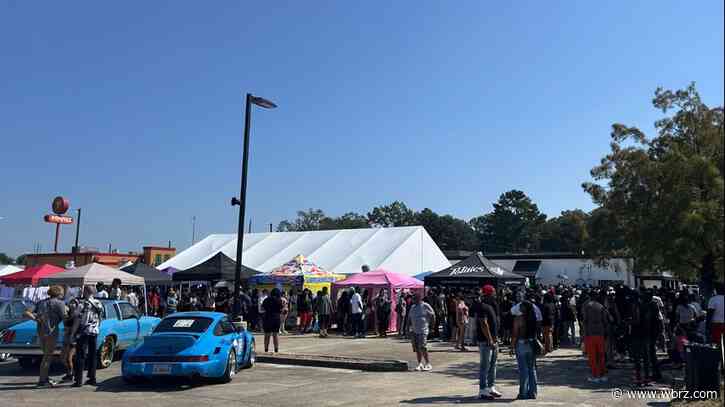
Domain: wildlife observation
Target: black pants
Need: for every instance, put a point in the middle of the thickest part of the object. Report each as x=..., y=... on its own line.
x=357, y=324
x=85, y=352
x=645, y=356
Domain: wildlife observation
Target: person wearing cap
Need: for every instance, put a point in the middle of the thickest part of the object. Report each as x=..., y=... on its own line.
x=486, y=315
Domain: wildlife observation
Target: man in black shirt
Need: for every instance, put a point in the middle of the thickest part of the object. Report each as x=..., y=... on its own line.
x=487, y=323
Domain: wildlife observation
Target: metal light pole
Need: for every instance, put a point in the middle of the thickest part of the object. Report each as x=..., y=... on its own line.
x=242, y=201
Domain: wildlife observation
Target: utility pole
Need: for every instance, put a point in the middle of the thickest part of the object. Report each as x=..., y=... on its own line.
x=193, y=230
x=249, y=229
x=76, y=249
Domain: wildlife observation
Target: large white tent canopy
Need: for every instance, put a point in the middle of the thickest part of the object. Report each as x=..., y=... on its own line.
x=407, y=250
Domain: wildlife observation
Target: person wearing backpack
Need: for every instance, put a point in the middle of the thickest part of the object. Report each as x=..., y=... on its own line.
x=48, y=314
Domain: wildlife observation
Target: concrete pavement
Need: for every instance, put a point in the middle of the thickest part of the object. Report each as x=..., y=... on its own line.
x=562, y=382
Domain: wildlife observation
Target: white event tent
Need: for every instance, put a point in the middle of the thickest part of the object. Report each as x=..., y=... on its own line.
x=407, y=250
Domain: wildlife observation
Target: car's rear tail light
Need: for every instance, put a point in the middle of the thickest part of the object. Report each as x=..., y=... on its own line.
x=202, y=358
x=8, y=336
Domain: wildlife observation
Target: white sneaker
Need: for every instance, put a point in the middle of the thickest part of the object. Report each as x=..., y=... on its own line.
x=419, y=368
x=494, y=392
x=427, y=367
x=485, y=394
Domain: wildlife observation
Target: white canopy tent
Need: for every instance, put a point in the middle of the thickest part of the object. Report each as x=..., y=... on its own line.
x=6, y=269
x=407, y=250
x=94, y=273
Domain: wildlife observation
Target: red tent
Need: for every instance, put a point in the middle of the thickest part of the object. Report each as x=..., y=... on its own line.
x=31, y=275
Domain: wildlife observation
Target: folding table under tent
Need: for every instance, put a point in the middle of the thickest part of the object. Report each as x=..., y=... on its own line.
x=151, y=275
x=379, y=279
x=217, y=268
x=475, y=270
x=92, y=274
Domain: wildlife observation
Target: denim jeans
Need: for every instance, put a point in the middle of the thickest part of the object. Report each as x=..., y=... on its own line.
x=526, y=361
x=487, y=367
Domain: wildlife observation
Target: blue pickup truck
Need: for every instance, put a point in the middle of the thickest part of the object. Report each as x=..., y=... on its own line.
x=122, y=327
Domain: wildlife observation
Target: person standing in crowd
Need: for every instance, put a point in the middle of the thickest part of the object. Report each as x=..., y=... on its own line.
x=153, y=301
x=400, y=310
x=356, y=309
x=284, y=314
x=716, y=314
x=101, y=290
x=254, y=309
x=441, y=317
x=382, y=312
x=115, y=292
x=461, y=322
x=324, y=311
x=613, y=325
x=595, y=324
x=486, y=316
x=272, y=318
x=132, y=298
x=89, y=311
x=343, y=316
x=523, y=336
x=686, y=314
x=646, y=326
x=48, y=314
x=70, y=325
x=452, y=307
x=420, y=316
x=172, y=302
x=547, y=323
x=304, y=310
x=260, y=310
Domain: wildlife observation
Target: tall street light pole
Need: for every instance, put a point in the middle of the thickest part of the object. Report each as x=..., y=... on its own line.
x=242, y=201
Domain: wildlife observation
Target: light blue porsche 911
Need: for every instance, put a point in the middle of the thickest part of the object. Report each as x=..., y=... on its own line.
x=191, y=344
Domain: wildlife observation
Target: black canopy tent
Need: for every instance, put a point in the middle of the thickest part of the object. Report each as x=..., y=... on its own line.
x=475, y=270
x=151, y=275
x=217, y=268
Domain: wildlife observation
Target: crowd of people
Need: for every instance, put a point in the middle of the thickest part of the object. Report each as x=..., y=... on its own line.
x=611, y=325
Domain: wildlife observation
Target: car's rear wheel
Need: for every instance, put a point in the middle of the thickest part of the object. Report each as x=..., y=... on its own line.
x=106, y=353
x=231, y=369
x=252, y=359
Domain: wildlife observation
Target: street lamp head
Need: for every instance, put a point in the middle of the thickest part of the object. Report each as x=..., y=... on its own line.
x=262, y=102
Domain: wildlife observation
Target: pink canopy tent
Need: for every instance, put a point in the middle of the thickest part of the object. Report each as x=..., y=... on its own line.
x=374, y=281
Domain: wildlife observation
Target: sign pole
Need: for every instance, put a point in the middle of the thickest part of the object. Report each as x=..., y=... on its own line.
x=57, y=234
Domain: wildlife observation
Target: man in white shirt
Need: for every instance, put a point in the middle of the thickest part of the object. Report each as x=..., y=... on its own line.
x=356, y=308
x=716, y=314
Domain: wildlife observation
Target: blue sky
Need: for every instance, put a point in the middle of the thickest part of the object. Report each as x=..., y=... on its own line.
x=133, y=110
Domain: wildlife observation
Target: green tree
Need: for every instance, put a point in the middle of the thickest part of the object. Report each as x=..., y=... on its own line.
x=306, y=221
x=395, y=214
x=513, y=226
x=21, y=259
x=665, y=194
x=448, y=232
x=565, y=233
x=350, y=220
x=5, y=259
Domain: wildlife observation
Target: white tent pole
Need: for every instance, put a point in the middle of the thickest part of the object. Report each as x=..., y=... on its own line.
x=145, y=301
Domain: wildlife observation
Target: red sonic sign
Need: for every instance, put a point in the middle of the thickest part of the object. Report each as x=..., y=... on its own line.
x=63, y=220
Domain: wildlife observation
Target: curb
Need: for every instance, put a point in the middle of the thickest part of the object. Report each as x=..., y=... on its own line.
x=335, y=362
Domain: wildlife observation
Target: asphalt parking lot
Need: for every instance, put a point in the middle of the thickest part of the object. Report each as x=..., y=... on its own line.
x=454, y=381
